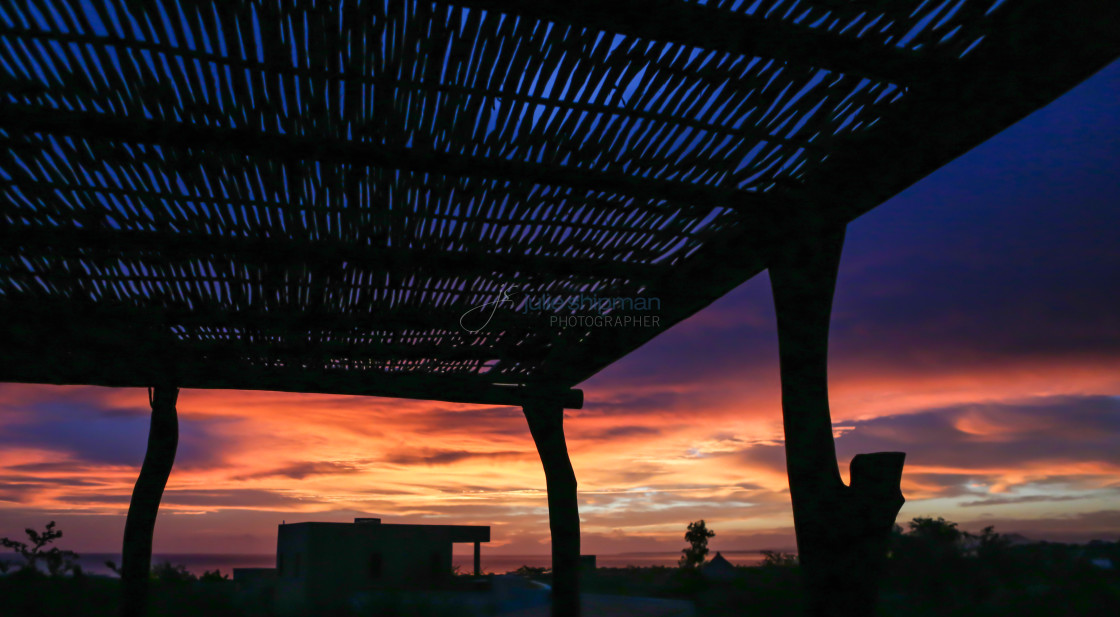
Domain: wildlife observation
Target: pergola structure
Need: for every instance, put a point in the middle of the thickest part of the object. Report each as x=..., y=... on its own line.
x=311, y=197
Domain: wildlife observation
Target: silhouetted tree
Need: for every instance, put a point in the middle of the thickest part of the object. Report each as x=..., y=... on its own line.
x=697, y=537
x=531, y=571
x=990, y=546
x=56, y=560
x=172, y=574
x=937, y=532
x=778, y=559
x=931, y=553
x=213, y=576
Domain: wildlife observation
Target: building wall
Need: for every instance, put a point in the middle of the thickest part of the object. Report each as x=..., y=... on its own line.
x=291, y=570
x=322, y=565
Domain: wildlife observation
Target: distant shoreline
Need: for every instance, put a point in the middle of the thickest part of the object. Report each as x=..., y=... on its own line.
x=730, y=551
x=492, y=562
x=13, y=556
x=155, y=556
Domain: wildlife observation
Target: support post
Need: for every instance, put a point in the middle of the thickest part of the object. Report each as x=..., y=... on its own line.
x=842, y=531
x=478, y=559
x=136, y=553
x=546, y=423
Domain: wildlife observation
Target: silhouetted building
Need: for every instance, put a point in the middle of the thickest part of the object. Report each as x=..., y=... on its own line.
x=322, y=565
x=718, y=569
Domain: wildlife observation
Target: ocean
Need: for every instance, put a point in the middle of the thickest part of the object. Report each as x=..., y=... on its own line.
x=94, y=563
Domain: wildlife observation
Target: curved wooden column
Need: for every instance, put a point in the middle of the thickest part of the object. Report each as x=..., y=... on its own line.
x=136, y=554
x=842, y=531
x=546, y=423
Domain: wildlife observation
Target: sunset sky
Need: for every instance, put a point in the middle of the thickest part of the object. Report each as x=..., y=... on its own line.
x=976, y=327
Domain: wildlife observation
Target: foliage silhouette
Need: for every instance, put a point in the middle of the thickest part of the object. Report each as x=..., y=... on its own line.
x=778, y=559
x=172, y=574
x=939, y=532
x=697, y=537
x=213, y=576
x=531, y=571
x=57, y=561
x=990, y=546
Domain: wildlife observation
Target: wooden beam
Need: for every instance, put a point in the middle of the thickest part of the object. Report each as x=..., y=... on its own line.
x=293, y=350
x=133, y=353
x=406, y=325
x=91, y=125
x=803, y=278
x=139, y=527
x=175, y=247
x=728, y=260
x=387, y=81
x=546, y=423
x=671, y=227
x=721, y=30
x=842, y=531
x=99, y=369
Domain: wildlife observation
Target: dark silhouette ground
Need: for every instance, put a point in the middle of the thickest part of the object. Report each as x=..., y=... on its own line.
x=927, y=576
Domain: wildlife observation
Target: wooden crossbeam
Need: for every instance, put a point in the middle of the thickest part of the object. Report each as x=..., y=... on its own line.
x=195, y=321
x=672, y=228
x=89, y=369
x=350, y=76
x=124, y=355
x=322, y=352
x=90, y=125
x=171, y=247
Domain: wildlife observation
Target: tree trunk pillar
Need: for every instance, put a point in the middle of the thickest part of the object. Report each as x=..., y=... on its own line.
x=546, y=423
x=136, y=554
x=842, y=531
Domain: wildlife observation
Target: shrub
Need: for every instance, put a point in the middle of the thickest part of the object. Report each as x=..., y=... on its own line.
x=57, y=561
x=530, y=571
x=213, y=576
x=167, y=573
x=777, y=559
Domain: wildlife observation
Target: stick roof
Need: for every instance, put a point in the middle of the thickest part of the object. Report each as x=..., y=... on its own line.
x=311, y=196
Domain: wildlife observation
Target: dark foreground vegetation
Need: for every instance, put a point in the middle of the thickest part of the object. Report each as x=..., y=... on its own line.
x=935, y=570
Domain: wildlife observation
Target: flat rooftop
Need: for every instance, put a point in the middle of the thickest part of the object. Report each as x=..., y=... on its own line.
x=374, y=526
